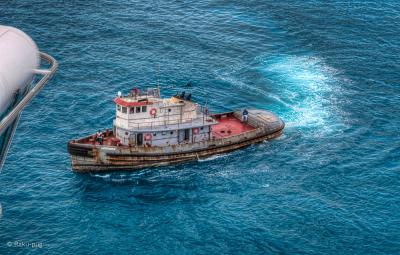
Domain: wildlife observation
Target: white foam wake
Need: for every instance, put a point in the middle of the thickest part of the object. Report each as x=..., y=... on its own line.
x=305, y=88
x=214, y=157
x=309, y=89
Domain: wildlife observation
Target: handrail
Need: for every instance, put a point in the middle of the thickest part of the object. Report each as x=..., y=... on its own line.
x=47, y=74
x=163, y=123
x=149, y=93
x=139, y=123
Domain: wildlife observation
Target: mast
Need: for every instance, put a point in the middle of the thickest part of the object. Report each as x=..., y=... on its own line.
x=158, y=80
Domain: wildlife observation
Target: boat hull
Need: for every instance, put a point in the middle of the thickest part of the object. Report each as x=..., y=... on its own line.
x=99, y=158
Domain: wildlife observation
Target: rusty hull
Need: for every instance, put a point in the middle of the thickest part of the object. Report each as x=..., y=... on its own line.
x=102, y=158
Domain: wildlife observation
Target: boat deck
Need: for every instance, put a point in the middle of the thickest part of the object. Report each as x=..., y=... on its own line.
x=108, y=139
x=229, y=126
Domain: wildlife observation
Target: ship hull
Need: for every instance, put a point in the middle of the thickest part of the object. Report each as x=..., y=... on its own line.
x=95, y=158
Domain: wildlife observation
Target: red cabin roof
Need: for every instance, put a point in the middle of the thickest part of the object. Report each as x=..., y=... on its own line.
x=121, y=101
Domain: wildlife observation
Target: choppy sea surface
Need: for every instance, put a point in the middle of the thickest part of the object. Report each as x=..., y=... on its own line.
x=329, y=185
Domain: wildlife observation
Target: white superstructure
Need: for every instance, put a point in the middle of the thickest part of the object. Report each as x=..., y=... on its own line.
x=147, y=119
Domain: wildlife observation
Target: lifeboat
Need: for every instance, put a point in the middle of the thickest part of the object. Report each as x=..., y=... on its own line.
x=19, y=66
x=150, y=131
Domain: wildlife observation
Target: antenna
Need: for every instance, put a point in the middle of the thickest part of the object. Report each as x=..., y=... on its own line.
x=206, y=107
x=158, y=79
x=158, y=74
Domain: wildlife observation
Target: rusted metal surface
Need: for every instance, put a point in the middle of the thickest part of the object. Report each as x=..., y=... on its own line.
x=100, y=158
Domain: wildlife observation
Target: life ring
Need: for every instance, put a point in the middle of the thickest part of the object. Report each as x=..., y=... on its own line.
x=147, y=137
x=153, y=112
x=195, y=131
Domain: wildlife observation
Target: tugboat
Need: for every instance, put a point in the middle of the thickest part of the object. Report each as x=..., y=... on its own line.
x=151, y=131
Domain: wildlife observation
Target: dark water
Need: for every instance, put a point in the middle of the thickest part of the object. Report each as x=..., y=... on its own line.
x=330, y=185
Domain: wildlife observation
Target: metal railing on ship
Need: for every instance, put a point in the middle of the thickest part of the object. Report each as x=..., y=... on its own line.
x=9, y=123
x=149, y=93
x=205, y=117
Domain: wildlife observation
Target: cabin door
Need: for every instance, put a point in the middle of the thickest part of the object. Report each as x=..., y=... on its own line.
x=183, y=135
x=187, y=135
x=139, y=139
x=132, y=140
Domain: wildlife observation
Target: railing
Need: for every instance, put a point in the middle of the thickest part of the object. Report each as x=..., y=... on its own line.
x=150, y=92
x=171, y=119
x=203, y=109
x=9, y=123
x=178, y=123
x=32, y=93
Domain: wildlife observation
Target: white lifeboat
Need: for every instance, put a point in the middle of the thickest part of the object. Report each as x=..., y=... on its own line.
x=20, y=61
x=19, y=58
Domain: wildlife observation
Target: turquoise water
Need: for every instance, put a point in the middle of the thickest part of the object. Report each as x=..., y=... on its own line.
x=329, y=185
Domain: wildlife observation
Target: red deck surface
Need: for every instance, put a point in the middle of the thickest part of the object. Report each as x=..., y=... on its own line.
x=108, y=139
x=230, y=126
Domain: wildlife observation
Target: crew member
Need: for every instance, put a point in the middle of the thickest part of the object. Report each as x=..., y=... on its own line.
x=245, y=115
x=99, y=137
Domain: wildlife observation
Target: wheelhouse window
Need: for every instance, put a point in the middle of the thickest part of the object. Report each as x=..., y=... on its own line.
x=118, y=107
x=144, y=108
x=138, y=109
x=124, y=110
x=132, y=110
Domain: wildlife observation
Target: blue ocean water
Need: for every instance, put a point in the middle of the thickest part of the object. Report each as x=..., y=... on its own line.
x=329, y=185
